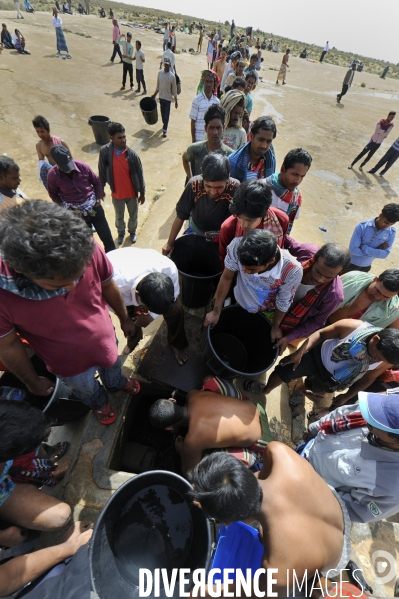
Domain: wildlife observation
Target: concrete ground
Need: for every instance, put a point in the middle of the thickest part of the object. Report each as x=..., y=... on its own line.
x=68, y=92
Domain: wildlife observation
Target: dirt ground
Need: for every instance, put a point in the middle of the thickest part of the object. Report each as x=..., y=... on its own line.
x=68, y=92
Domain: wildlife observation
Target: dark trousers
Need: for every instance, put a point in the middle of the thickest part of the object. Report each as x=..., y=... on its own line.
x=117, y=50
x=174, y=319
x=345, y=88
x=101, y=226
x=140, y=79
x=127, y=68
x=323, y=55
x=388, y=159
x=371, y=149
x=165, y=113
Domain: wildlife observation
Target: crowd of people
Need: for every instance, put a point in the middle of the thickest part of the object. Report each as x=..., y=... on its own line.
x=339, y=322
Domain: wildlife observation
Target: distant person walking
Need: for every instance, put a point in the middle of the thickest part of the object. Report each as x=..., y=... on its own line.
x=283, y=69
x=116, y=32
x=347, y=82
x=383, y=74
x=87, y=6
x=166, y=87
x=166, y=34
x=200, y=39
x=325, y=50
x=19, y=14
x=139, y=57
x=210, y=50
x=127, y=58
x=382, y=130
x=60, y=37
x=388, y=159
x=232, y=29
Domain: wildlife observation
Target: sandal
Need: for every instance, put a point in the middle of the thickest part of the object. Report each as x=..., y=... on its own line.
x=313, y=416
x=132, y=386
x=253, y=387
x=57, y=451
x=107, y=416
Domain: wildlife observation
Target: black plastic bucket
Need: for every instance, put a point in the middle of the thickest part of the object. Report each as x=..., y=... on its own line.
x=148, y=107
x=240, y=344
x=199, y=267
x=99, y=124
x=149, y=522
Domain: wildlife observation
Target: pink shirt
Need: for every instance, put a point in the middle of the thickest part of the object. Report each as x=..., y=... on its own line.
x=115, y=33
x=71, y=332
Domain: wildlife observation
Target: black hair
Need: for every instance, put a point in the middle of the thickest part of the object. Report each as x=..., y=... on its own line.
x=251, y=74
x=40, y=121
x=394, y=436
x=254, y=56
x=391, y=112
x=334, y=255
x=169, y=45
x=264, y=123
x=215, y=167
x=226, y=489
x=22, y=428
x=227, y=89
x=245, y=115
x=391, y=212
x=114, y=128
x=238, y=82
x=257, y=248
x=297, y=156
x=138, y=42
x=7, y=164
x=215, y=111
x=388, y=345
x=42, y=240
x=252, y=198
x=157, y=292
x=165, y=413
x=390, y=279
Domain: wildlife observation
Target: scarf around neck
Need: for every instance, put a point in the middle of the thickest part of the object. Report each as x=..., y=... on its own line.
x=18, y=284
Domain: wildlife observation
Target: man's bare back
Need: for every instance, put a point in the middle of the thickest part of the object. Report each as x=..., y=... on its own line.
x=302, y=521
x=43, y=149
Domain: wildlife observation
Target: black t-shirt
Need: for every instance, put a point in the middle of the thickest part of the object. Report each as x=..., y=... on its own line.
x=207, y=214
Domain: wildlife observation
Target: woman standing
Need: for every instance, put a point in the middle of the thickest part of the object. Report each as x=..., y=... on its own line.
x=283, y=69
x=61, y=42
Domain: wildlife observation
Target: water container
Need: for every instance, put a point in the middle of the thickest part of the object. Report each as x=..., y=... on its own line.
x=238, y=547
x=240, y=344
x=148, y=107
x=149, y=522
x=99, y=124
x=199, y=267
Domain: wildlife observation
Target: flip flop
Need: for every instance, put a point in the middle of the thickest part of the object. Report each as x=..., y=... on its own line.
x=132, y=386
x=107, y=416
x=57, y=451
x=253, y=387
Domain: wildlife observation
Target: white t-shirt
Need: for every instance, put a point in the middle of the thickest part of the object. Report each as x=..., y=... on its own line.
x=166, y=34
x=139, y=54
x=234, y=137
x=57, y=22
x=326, y=47
x=131, y=265
x=329, y=345
x=169, y=54
x=301, y=292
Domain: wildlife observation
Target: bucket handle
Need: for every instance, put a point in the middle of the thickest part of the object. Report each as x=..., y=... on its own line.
x=215, y=370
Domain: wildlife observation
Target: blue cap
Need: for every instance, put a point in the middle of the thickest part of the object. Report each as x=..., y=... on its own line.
x=380, y=411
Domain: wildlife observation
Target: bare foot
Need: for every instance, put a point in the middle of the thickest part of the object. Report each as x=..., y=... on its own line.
x=13, y=535
x=77, y=535
x=60, y=471
x=180, y=355
x=77, y=529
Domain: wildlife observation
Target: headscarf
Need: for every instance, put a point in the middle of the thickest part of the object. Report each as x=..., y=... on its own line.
x=229, y=101
x=213, y=74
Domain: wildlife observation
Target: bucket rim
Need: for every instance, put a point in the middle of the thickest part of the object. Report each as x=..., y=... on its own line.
x=226, y=366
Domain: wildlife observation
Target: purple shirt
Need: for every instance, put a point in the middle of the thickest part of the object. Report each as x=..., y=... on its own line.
x=116, y=33
x=327, y=301
x=77, y=189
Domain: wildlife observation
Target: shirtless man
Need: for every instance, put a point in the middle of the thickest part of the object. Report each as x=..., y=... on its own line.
x=44, y=146
x=369, y=298
x=231, y=421
x=220, y=66
x=304, y=526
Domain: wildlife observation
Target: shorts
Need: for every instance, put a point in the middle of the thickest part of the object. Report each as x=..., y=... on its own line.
x=248, y=455
x=311, y=366
x=346, y=551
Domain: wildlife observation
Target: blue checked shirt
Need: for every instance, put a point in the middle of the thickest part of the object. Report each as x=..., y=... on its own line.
x=369, y=237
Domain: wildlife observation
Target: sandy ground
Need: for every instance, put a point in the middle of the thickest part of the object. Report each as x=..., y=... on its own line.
x=68, y=92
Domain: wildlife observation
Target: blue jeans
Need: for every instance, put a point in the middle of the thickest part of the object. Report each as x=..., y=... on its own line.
x=388, y=159
x=88, y=389
x=165, y=113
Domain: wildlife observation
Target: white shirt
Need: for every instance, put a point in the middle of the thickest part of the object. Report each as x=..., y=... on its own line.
x=198, y=109
x=166, y=34
x=139, y=54
x=301, y=292
x=326, y=47
x=131, y=265
x=57, y=22
x=169, y=54
x=329, y=345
